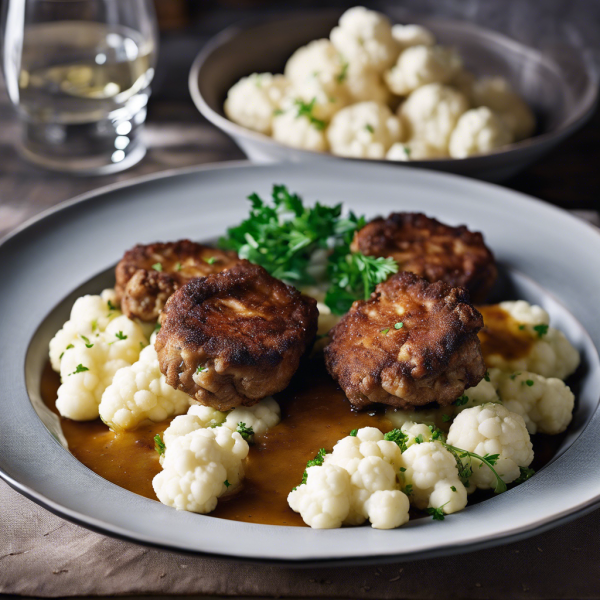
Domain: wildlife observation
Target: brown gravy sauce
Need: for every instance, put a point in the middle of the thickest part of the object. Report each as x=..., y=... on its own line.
x=315, y=414
x=501, y=334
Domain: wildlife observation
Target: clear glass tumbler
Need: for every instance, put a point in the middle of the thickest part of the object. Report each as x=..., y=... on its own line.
x=79, y=73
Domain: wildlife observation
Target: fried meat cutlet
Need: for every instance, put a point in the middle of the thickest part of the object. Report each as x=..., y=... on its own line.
x=148, y=274
x=410, y=344
x=235, y=337
x=430, y=249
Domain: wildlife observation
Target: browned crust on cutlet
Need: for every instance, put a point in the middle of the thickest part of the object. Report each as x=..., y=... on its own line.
x=244, y=328
x=143, y=291
x=430, y=249
x=433, y=357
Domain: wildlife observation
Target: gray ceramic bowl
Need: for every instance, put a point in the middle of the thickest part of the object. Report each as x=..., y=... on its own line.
x=561, y=88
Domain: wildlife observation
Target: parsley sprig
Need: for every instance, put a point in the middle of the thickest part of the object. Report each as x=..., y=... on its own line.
x=245, y=431
x=306, y=109
x=159, y=445
x=465, y=470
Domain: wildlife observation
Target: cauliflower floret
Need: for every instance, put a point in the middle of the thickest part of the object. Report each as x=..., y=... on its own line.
x=546, y=405
x=141, y=392
x=90, y=315
x=432, y=112
x=88, y=369
x=252, y=101
x=497, y=94
x=365, y=84
x=464, y=81
x=492, y=429
x=324, y=500
x=478, y=131
x=417, y=433
x=551, y=354
x=260, y=417
x=415, y=149
x=482, y=393
x=412, y=35
x=421, y=65
x=200, y=467
x=318, y=71
x=432, y=472
x=365, y=36
x=364, y=130
x=434, y=416
x=387, y=509
x=297, y=126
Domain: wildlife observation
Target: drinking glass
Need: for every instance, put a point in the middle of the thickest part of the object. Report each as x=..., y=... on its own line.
x=79, y=73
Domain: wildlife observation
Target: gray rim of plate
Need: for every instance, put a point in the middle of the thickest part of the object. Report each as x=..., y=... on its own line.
x=49, y=257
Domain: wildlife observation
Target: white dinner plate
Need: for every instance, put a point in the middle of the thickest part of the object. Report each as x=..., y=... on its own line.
x=545, y=255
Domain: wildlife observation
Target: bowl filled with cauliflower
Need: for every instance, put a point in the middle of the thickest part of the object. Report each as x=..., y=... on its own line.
x=388, y=374
x=438, y=94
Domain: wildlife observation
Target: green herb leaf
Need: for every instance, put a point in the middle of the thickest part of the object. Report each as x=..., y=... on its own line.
x=178, y=266
x=453, y=488
x=157, y=266
x=461, y=401
x=211, y=261
x=79, y=369
x=528, y=382
x=436, y=513
x=120, y=335
x=385, y=331
x=159, y=445
x=317, y=461
x=541, y=330
x=88, y=344
x=306, y=109
x=398, y=437
x=354, y=432
x=370, y=128
x=446, y=418
x=343, y=74
x=488, y=460
x=526, y=474
x=111, y=306
x=399, y=325
x=487, y=376
x=436, y=434
x=419, y=439
x=226, y=483
x=408, y=489
x=157, y=327
x=244, y=431
x=201, y=369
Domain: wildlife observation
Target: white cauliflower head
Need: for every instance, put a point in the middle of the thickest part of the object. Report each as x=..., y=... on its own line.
x=260, y=417
x=365, y=84
x=431, y=113
x=420, y=65
x=140, y=392
x=550, y=355
x=324, y=500
x=252, y=101
x=296, y=125
x=88, y=368
x=415, y=149
x=200, y=467
x=433, y=416
x=365, y=36
x=496, y=93
x=432, y=474
x=546, y=405
x=412, y=35
x=197, y=417
x=478, y=131
x=364, y=130
x=387, y=509
x=492, y=429
x=90, y=315
x=482, y=393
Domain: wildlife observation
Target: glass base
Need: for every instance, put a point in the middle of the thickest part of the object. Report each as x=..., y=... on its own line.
x=85, y=166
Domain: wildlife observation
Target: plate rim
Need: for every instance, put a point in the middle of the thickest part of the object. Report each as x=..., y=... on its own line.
x=115, y=531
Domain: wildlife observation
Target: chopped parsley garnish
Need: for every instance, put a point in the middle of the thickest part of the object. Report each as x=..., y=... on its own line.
x=317, y=461
x=157, y=266
x=436, y=434
x=526, y=473
x=94, y=325
x=402, y=469
x=178, y=266
x=226, y=483
x=407, y=151
x=466, y=470
x=244, y=431
x=398, y=437
x=277, y=112
x=453, y=488
x=541, y=329
x=528, y=382
x=88, y=344
x=79, y=369
x=514, y=376
x=385, y=331
x=111, y=306
x=120, y=335
x=370, y=128
x=212, y=260
x=408, y=489
x=487, y=376
x=461, y=401
x=436, y=513
x=521, y=327
x=142, y=345
x=354, y=432
x=419, y=439
x=201, y=369
x=306, y=109
x=159, y=445
x=446, y=418
x=399, y=325
x=285, y=236
x=157, y=327
x=343, y=74
x=67, y=348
